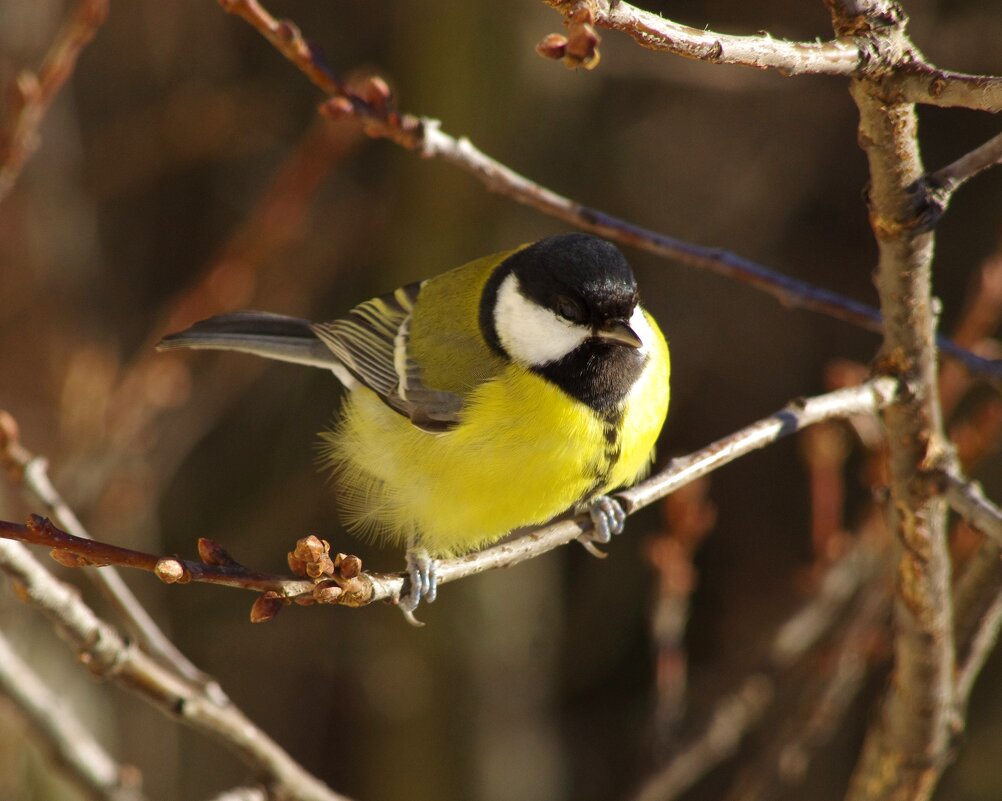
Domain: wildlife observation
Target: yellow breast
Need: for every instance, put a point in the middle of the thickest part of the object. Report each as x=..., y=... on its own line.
x=523, y=452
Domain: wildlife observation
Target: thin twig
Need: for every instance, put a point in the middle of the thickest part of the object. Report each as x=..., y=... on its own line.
x=109, y=656
x=83, y=760
x=969, y=501
x=364, y=588
x=87, y=552
x=425, y=136
x=947, y=180
x=867, y=398
x=31, y=95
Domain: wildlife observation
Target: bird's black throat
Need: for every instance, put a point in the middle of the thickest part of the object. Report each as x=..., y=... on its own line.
x=598, y=373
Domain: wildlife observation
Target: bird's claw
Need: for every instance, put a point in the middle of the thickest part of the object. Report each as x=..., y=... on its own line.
x=421, y=583
x=607, y=519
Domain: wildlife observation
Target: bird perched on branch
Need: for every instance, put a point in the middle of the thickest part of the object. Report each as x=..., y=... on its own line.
x=493, y=396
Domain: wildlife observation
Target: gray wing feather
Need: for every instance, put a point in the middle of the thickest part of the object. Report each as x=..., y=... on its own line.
x=372, y=343
x=273, y=336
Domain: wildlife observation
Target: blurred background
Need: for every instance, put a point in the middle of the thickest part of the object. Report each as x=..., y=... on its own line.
x=184, y=171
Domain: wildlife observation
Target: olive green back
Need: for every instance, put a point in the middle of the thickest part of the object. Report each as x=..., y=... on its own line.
x=445, y=338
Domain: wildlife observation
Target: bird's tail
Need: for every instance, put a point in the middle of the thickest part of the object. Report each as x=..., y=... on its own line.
x=273, y=336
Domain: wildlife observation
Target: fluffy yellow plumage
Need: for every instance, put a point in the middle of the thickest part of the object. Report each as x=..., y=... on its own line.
x=520, y=455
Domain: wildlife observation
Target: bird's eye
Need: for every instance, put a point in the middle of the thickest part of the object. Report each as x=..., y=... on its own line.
x=568, y=309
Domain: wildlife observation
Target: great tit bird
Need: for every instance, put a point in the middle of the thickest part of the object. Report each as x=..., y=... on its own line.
x=493, y=396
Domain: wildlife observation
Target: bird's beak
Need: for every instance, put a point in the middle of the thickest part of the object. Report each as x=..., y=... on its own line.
x=619, y=331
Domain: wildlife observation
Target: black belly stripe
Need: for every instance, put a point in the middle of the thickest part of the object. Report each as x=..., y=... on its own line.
x=601, y=470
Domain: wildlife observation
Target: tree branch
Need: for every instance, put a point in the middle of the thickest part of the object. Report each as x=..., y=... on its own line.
x=854, y=53
x=867, y=398
x=923, y=83
x=838, y=57
x=83, y=759
x=109, y=656
x=31, y=95
x=354, y=588
x=906, y=751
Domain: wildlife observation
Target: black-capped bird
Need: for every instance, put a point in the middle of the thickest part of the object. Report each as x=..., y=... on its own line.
x=493, y=396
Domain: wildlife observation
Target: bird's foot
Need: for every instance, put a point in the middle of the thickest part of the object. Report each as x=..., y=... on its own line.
x=607, y=519
x=421, y=583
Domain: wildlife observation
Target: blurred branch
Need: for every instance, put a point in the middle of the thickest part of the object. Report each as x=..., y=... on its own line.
x=908, y=747
x=741, y=711
x=25, y=468
x=823, y=708
x=374, y=107
x=980, y=317
x=30, y=95
x=689, y=516
x=343, y=582
x=977, y=602
x=82, y=759
x=242, y=794
x=978, y=649
x=733, y=717
x=107, y=655
x=978, y=590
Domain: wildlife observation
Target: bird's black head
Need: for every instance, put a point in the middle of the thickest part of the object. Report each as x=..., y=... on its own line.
x=563, y=307
x=582, y=278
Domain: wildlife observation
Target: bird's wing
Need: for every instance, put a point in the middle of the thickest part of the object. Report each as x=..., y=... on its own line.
x=372, y=342
x=272, y=336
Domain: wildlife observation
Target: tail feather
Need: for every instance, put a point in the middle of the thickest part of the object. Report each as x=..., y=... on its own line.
x=272, y=336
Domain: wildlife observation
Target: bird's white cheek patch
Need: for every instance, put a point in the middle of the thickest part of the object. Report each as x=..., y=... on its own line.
x=640, y=326
x=530, y=334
